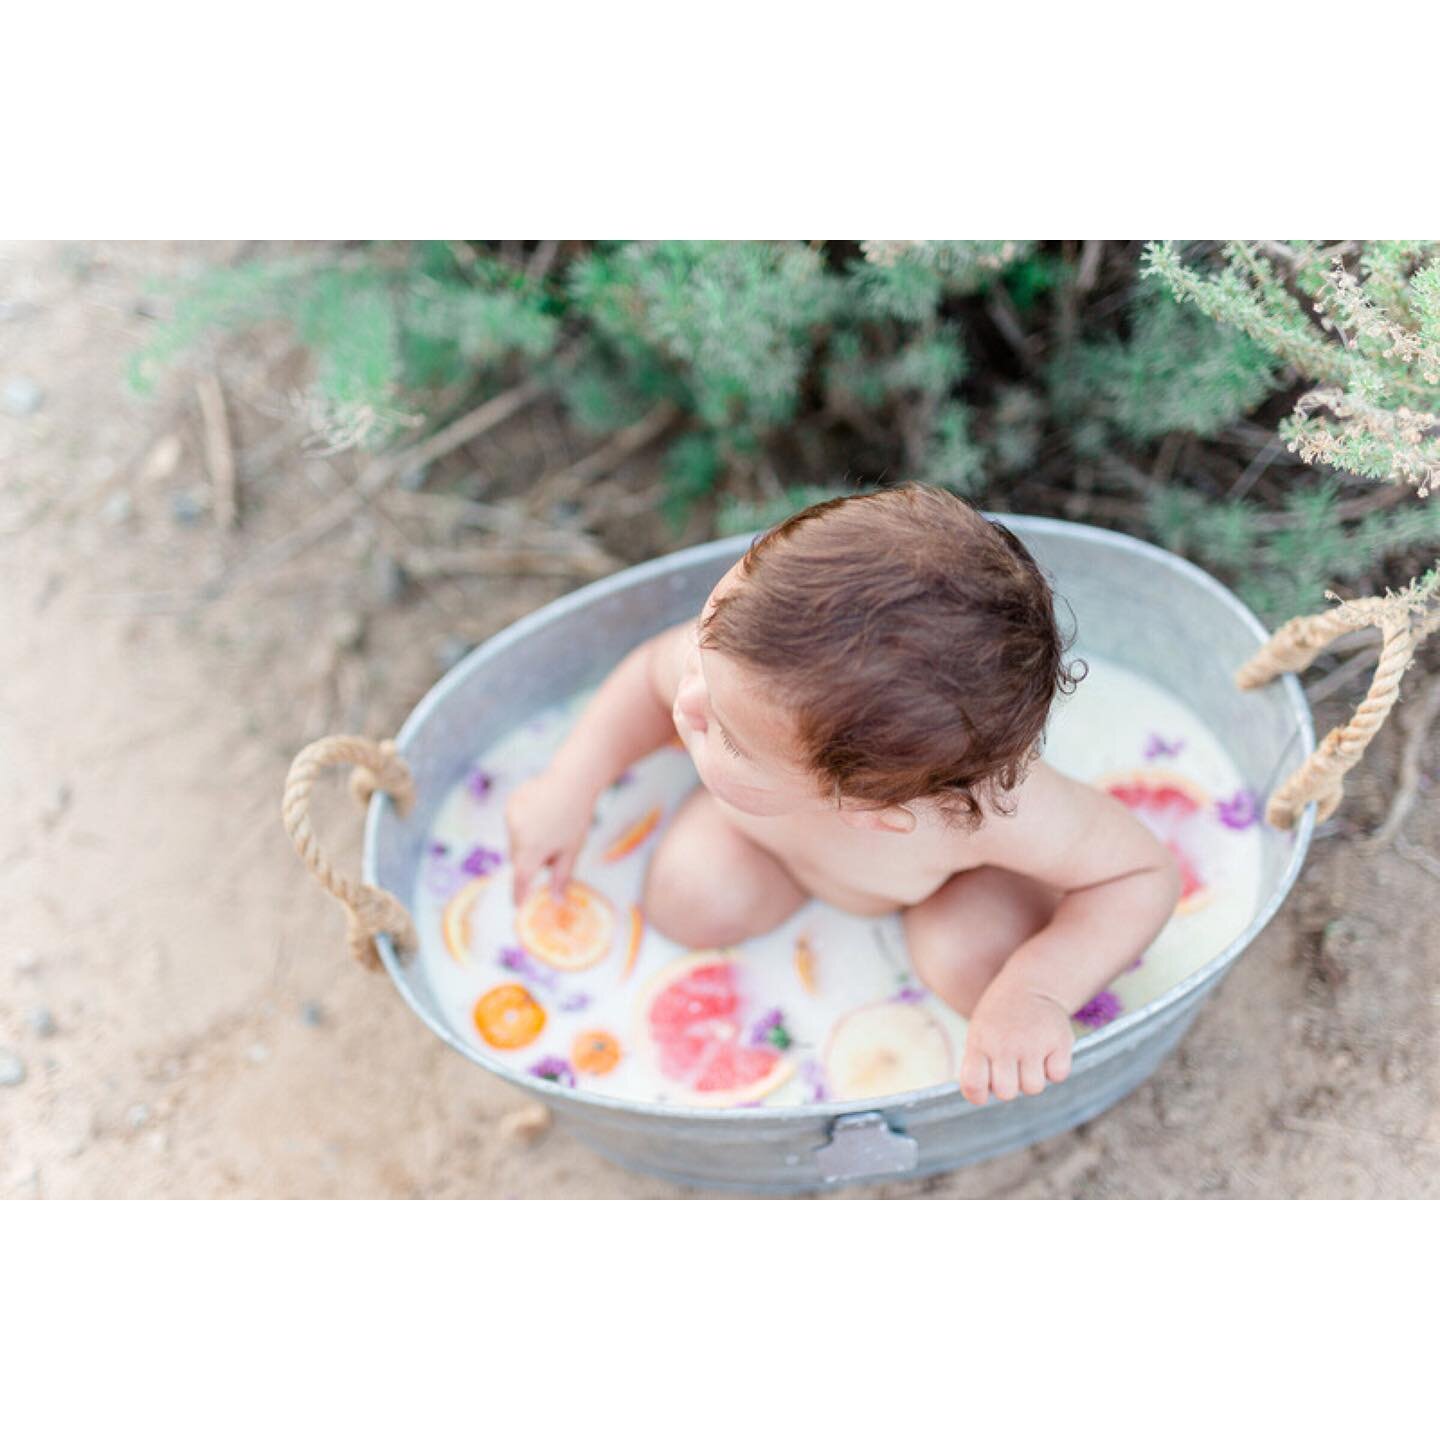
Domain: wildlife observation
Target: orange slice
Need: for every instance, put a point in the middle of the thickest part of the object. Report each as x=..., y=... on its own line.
x=509, y=1017
x=632, y=950
x=805, y=966
x=595, y=1052
x=570, y=934
x=1176, y=811
x=693, y=1017
x=633, y=837
x=886, y=1049
x=457, y=923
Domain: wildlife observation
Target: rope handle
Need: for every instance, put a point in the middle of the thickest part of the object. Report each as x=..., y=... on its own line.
x=369, y=910
x=1321, y=776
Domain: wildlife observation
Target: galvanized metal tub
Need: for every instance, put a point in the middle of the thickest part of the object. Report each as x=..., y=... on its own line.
x=1159, y=614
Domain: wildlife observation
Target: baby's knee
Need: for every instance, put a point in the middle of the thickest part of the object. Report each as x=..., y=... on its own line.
x=697, y=911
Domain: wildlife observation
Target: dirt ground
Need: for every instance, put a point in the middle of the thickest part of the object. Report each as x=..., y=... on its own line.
x=175, y=987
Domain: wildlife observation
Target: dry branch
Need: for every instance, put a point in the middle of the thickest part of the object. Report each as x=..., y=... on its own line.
x=564, y=485
x=1415, y=721
x=219, y=452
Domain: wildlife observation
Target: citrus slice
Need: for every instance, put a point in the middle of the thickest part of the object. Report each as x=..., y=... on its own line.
x=805, y=966
x=632, y=837
x=458, y=921
x=692, y=1017
x=1176, y=811
x=570, y=934
x=887, y=1048
x=595, y=1052
x=509, y=1017
x=632, y=949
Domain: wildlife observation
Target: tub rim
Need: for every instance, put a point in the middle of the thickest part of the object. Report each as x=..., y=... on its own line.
x=1086, y=1046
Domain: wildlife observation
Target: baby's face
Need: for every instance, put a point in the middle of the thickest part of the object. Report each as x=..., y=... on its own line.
x=743, y=743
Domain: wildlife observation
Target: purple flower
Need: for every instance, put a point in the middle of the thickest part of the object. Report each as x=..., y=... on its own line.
x=514, y=959
x=812, y=1072
x=571, y=1003
x=1135, y=964
x=442, y=876
x=480, y=784
x=770, y=1029
x=482, y=861
x=439, y=847
x=1240, y=811
x=625, y=777
x=1156, y=748
x=909, y=995
x=1100, y=1011
x=552, y=1067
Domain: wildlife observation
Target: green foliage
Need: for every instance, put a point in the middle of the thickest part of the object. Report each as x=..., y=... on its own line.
x=1178, y=371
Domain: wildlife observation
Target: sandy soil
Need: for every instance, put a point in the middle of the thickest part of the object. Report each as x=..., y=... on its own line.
x=211, y=1038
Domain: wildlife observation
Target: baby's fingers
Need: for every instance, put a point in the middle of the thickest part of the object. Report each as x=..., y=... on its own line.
x=1003, y=1079
x=1032, y=1074
x=975, y=1076
x=525, y=867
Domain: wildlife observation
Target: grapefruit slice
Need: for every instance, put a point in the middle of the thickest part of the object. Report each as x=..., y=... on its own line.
x=887, y=1048
x=629, y=840
x=692, y=1017
x=595, y=1052
x=509, y=1017
x=1176, y=811
x=458, y=921
x=569, y=934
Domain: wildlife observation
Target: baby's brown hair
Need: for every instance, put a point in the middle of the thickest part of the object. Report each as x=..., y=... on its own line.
x=913, y=640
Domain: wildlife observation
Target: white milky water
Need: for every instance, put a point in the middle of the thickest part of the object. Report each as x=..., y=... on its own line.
x=1116, y=724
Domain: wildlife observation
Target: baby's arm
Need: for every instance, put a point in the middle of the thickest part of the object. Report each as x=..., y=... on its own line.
x=1121, y=885
x=628, y=717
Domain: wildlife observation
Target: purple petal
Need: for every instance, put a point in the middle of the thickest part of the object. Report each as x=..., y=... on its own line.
x=443, y=877
x=480, y=784
x=1100, y=1011
x=482, y=861
x=812, y=1072
x=1240, y=811
x=552, y=1067
x=1157, y=748
x=514, y=959
x=571, y=1003
x=760, y=1030
x=1135, y=964
x=909, y=995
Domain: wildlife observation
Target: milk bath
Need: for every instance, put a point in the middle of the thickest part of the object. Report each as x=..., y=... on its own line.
x=825, y=1007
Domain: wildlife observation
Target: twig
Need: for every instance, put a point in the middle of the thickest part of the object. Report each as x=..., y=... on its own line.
x=373, y=479
x=1342, y=675
x=1092, y=253
x=1000, y=309
x=1406, y=851
x=1256, y=468
x=591, y=563
x=542, y=260
x=1349, y=1132
x=566, y=484
x=1415, y=721
x=219, y=452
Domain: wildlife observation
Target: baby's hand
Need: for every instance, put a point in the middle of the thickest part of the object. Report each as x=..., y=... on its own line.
x=548, y=819
x=1016, y=1042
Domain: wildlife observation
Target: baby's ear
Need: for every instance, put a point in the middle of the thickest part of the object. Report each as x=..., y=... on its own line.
x=894, y=819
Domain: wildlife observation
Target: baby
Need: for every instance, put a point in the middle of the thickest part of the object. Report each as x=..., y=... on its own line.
x=864, y=696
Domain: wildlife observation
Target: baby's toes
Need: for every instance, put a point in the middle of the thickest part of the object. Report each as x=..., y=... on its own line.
x=1057, y=1065
x=1032, y=1074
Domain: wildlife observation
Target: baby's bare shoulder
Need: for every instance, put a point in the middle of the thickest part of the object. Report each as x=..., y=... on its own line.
x=1064, y=831
x=667, y=652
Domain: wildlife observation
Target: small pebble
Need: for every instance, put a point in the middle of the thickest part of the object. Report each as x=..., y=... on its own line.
x=12, y=1068
x=188, y=508
x=21, y=396
x=118, y=509
x=42, y=1022
x=311, y=1014
x=137, y=1115
x=258, y=1054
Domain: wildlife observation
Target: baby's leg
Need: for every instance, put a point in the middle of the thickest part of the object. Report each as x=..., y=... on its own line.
x=960, y=936
x=709, y=885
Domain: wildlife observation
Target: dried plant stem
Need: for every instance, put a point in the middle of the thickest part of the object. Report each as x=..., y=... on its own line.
x=219, y=452
x=564, y=485
x=1342, y=675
